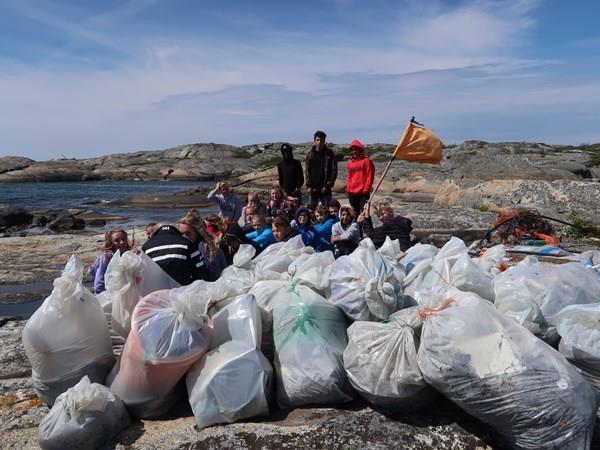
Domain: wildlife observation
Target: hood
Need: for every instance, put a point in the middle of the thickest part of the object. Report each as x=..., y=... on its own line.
x=287, y=151
x=359, y=145
x=303, y=210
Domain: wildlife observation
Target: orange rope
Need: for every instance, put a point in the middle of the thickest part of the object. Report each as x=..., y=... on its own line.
x=426, y=312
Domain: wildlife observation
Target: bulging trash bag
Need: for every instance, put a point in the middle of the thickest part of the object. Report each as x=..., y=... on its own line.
x=579, y=330
x=276, y=258
x=86, y=416
x=128, y=278
x=243, y=257
x=312, y=270
x=500, y=373
x=153, y=277
x=67, y=337
x=381, y=362
x=391, y=251
x=308, y=270
x=364, y=285
x=170, y=331
x=310, y=338
x=232, y=381
x=416, y=258
x=266, y=293
x=491, y=260
x=122, y=279
x=533, y=293
x=450, y=267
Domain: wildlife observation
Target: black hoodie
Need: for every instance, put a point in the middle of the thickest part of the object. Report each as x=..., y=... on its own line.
x=291, y=175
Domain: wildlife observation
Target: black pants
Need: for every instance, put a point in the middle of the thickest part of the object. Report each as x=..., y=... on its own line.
x=357, y=201
x=318, y=196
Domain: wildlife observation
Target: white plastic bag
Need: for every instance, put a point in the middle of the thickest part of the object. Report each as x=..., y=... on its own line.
x=86, y=416
x=122, y=278
x=450, y=267
x=500, y=373
x=170, y=331
x=416, y=258
x=533, y=292
x=153, y=277
x=232, y=381
x=390, y=250
x=310, y=338
x=243, y=257
x=67, y=337
x=364, y=285
x=276, y=258
x=312, y=270
x=381, y=362
x=579, y=329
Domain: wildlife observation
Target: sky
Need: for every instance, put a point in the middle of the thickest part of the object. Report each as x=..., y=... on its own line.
x=90, y=78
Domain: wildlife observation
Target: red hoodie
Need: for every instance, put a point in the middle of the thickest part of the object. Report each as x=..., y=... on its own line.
x=361, y=172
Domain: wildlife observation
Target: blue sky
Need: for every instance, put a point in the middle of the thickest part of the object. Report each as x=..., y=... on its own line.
x=87, y=78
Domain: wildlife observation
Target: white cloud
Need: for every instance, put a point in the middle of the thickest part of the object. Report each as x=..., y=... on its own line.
x=447, y=64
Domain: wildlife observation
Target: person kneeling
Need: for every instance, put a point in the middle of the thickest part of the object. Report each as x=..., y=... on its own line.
x=345, y=234
x=262, y=234
x=396, y=227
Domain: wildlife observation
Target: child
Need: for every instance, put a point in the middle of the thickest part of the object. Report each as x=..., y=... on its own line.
x=114, y=240
x=302, y=225
x=277, y=203
x=259, y=208
x=191, y=227
x=345, y=234
x=323, y=227
x=334, y=210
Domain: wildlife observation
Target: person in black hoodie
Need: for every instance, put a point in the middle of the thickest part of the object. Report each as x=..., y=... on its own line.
x=396, y=227
x=176, y=255
x=291, y=175
x=321, y=171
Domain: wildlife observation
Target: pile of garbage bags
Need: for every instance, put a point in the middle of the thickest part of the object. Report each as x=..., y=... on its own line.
x=294, y=327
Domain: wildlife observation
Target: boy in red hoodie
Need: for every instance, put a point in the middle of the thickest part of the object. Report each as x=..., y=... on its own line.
x=361, y=172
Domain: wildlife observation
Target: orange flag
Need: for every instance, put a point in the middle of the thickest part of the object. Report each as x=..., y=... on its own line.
x=419, y=144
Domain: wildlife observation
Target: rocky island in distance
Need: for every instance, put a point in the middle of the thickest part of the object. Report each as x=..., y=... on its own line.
x=459, y=196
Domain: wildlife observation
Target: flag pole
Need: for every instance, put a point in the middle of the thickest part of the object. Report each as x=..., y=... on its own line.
x=387, y=167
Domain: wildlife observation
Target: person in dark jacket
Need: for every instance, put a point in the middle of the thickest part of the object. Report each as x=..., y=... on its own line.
x=291, y=175
x=396, y=227
x=231, y=240
x=176, y=255
x=321, y=171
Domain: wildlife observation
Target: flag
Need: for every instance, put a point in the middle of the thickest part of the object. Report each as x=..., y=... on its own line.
x=419, y=144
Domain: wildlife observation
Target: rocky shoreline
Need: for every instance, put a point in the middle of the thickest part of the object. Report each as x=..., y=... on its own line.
x=460, y=197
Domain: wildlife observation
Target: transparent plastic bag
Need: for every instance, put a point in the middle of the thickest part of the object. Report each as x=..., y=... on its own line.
x=122, y=278
x=170, y=331
x=364, y=285
x=276, y=258
x=390, y=250
x=310, y=338
x=500, y=373
x=450, y=267
x=533, y=293
x=85, y=416
x=381, y=362
x=67, y=337
x=579, y=330
x=232, y=381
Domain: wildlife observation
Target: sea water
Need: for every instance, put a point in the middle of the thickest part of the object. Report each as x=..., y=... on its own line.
x=97, y=196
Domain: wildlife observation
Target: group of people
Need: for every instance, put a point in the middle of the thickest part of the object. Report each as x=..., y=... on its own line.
x=200, y=248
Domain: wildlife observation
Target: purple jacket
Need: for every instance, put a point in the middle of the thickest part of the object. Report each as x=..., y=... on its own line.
x=98, y=270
